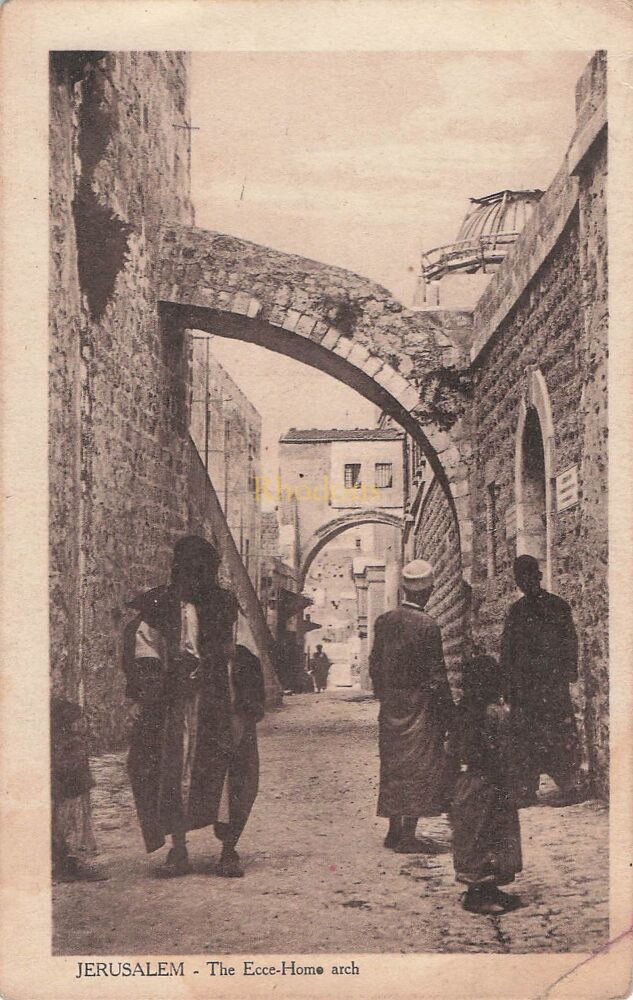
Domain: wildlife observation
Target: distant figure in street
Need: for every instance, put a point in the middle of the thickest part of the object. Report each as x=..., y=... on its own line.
x=246, y=689
x=320, y=669
x=70, y=780
x=306, y=681
x=176, y=662
x=539, y=658
x=483, y=813
x=407, y=669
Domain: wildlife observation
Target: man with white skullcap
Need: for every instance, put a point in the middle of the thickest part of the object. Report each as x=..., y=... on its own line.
x=409, y=677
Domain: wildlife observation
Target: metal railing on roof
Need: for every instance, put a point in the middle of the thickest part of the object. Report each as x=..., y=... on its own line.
x=473, y=253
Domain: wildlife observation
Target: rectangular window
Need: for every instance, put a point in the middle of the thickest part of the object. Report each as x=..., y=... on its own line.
x=352, y=475
x=384, y=475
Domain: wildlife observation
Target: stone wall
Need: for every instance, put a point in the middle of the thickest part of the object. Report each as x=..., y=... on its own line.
x=543, y=330
x=539, y=342
x=66, y=319
x=232, y=439
x=436, y=539
x=593, y=534
x=558, y=327
x=119, y=407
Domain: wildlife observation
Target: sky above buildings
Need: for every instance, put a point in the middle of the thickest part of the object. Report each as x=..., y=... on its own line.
x=361, y=160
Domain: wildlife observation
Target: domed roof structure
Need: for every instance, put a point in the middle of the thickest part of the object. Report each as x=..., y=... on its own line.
x=488, y=231
x=502, y=212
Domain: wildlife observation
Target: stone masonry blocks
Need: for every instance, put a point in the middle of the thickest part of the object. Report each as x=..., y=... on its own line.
x=343, y=347
x=330, y=338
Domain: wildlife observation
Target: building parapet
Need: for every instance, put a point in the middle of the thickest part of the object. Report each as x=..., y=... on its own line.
x=550, y=216
x=524, y=259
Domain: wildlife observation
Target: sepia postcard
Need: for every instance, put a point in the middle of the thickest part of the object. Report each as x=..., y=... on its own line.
x=317, y=476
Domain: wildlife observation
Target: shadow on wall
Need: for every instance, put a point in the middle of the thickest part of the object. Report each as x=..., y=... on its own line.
x=97, y=228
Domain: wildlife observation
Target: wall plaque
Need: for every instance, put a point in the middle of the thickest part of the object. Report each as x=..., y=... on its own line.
x=567, y=488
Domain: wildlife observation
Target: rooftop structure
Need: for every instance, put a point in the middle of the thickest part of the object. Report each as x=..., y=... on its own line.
x=485, y=235
x=315, y=434
x=455, y=275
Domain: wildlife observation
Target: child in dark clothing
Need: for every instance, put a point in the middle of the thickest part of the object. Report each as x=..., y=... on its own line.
x=70, y=781
x=483, y=814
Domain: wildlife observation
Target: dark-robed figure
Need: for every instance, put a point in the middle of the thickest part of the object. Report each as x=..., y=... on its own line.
x=176, y=657
x=409, y=677
x=539, y=658
x=320, y=668
x=483, y=813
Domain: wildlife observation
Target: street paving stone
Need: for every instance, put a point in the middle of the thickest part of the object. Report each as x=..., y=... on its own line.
x=318, y=878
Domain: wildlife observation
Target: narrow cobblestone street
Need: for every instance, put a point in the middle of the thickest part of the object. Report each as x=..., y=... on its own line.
x=317, y=876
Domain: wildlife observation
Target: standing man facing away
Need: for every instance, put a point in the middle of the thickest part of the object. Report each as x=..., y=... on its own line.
x=320, y=669
x=407, y=669
x=176, y=653
x=539, y=659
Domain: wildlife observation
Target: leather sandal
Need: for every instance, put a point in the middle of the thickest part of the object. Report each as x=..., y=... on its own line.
x=416, y=846
x=229, y=866
x=177, y=863
x=493, y=905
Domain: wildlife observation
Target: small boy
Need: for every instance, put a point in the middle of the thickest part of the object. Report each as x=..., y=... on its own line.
x=483, y=814
x=70, y=780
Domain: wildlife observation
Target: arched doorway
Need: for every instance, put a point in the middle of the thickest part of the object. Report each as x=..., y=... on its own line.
x=533, y=537
x=351, y=577
x=533, y=472
x=339, y=525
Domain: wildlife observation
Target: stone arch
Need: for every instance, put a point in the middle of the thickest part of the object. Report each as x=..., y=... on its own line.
x=336, y=527
x=533, y=470
x=333, y=320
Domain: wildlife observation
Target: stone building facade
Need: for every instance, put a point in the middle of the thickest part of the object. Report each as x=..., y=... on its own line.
x=353, y=580
x=333, y=479
x=283, y=604
x=227, y=430
x=538, y=425
x=118, y=422
x=125, y=477
x=540, y=414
